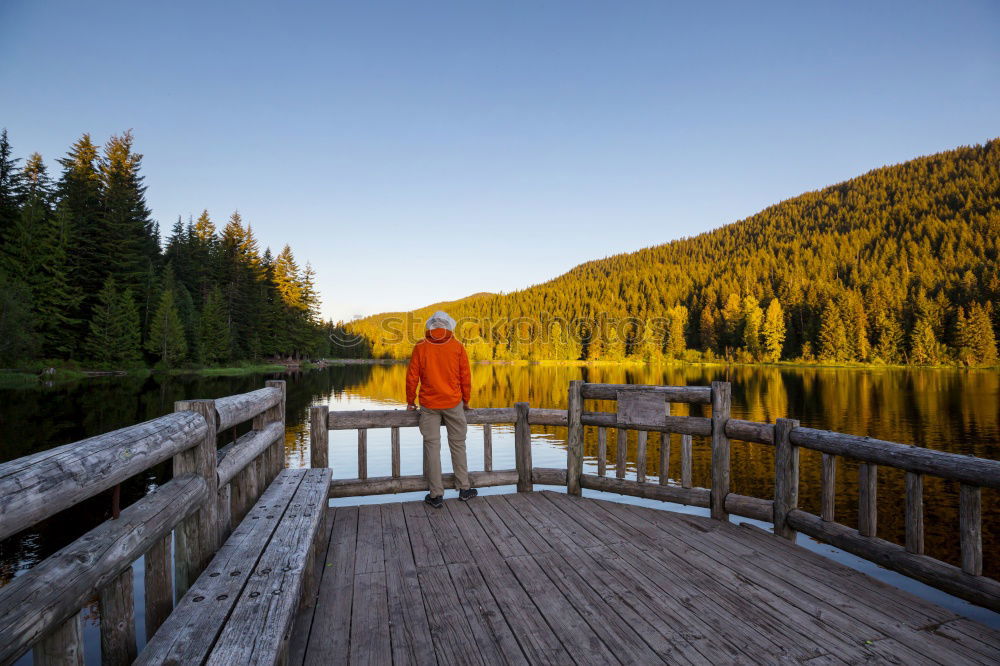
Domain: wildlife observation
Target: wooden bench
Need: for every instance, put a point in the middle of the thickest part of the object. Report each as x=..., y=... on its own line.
x=240, y=610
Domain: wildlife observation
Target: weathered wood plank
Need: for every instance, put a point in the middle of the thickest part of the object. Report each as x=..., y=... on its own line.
x=62, y=647
x=487, y=448
x=493, y=636
x=211, y=598
x=35, y=487
x=602, y=451
x=786, y=476
x=409, y=630
x=57, y=588
x=685, y=425
x=370, y=639
x=532, y=542
x=493, y=528
x=670, y=493
x=384, y=485
x=721, y=399
x=914, y=513
x=116, y=605
x=867, y=499
x=973, y=471
x=403, y=418
x=235, y=409
x=454, y=642
x=158, y=584
x=640, y=456
x=394, y=444
x=951, y=579
x=574, y=437
x=426, y=551
x=548, y=476
x=522, y=449
x=621, y=452
x=362, y=453
x=258, y=630
x=369, y=557
x=691, y=394
x=319, y=436
x=330, y=636
x=686, y=471
x=750, y=431
x=248, y=448
x=828, y=487
x=664, y=458
x=970, y=529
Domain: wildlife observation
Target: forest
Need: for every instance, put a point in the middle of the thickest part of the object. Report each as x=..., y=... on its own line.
x=85, y=276
x=897, y=266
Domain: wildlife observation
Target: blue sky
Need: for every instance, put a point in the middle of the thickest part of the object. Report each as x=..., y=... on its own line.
x=422, y=151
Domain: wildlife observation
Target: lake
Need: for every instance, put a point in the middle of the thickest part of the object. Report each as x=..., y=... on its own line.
x=949, y=410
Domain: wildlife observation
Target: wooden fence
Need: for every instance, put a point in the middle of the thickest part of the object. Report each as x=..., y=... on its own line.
x=785, y=435
x=210, y=492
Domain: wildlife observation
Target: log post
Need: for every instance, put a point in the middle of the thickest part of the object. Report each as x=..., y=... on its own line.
x=786, y=476
x=319, y=436
x=574, y=437
x=63, y=646
x=115, y=602
x=664, y=458
x=915, y=513
x=487, y=448
x=522, y=448
x=362, y=453
x=640, y=455
x=158, y=585
x=721, y=405
x=277, y=413
x=394, y=443
x=868, y=499
x=829, y=487
x=687, y=477
x=970, y=525
x=602, y=451
x=621, y=452
x=197, y=537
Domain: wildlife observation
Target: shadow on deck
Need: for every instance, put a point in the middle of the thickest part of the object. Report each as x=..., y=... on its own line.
x=549, y=578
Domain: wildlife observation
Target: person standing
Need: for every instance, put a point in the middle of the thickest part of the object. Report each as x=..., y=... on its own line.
x=439, y=365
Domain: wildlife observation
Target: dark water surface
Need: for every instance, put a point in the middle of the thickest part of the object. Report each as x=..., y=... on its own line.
x=948, y=410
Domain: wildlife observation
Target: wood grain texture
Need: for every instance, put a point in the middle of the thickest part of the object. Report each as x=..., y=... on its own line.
x=362, y=453
x=115, y=603
x=690, y=394
x=387, y=418
x=383, y=485
x=248, y=448
x=721, y=399
x=574, y=437
x=56, y=588
x=319, y=436
x=394, y=445
x=236, y=409
x=867, y=499
x=828, y=487
x=522, y=448
x=602, y=451
x=158, y=584
x=621, y=452
x=640, y=455
x=35, y=487
x=970, y=528
x=786, y=477
x=686, y=471
x=914, y=513
x=61, y=647
x=487, y=448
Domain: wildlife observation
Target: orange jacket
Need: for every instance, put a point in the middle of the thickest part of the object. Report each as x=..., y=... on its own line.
x=441, y=367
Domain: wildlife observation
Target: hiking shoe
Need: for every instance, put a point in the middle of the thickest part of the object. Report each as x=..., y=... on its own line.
x=436, y=502
x=466, y=495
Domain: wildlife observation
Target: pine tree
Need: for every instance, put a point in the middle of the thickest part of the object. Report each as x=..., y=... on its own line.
x=675, y=342
x=10, y=185
x=833, y=344
x=79, y=194
x=708, y=329
x=59, y=298
x=213, y=330
x=752, y=319
x=924, y=346
x=773, y=332
x=889, y=346
x=166, y=332
x=977, y=340
x=731, y=321
x=114, y=328
x=18, y=341
x=23, y=243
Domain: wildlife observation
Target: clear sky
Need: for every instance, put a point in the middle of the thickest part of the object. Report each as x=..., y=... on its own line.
x=422, y=151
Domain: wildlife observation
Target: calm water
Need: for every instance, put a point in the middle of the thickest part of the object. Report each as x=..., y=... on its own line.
x=948, y=410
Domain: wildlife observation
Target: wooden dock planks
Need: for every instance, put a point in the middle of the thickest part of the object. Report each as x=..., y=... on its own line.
x=549, y=578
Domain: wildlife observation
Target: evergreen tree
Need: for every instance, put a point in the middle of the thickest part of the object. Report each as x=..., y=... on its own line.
x=731, y=320
x=833, y=345
x=708, y=329
x=10, y=185
x=889, y=346
x=18, y=341
x=114, y=328
x=976, y=338
x=924, y=346
x=213, y=330
x=752, y=319
x=79, y=193
x=773, y=332
x=675, y=342
x=166, y=332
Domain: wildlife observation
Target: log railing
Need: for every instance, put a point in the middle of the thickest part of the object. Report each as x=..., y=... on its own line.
x=210, y=492
x=786, y=436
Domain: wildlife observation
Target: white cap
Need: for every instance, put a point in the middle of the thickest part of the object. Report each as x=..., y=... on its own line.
x=440, y=319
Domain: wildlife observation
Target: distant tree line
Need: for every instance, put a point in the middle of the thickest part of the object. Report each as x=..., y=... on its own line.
x=899, y=265
x=84, y=275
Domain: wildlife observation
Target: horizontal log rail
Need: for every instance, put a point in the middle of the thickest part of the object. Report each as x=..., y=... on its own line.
x=246, y=449
x=41, y=485
x=53, y=591
x=691, y=394
x=236, y=409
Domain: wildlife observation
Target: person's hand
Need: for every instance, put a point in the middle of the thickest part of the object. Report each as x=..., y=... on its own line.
x=411, y=407
x=465, y=404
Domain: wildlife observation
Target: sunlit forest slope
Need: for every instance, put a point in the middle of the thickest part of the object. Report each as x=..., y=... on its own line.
x=898, y=265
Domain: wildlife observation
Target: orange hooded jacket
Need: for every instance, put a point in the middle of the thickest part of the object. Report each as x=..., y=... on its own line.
x=441, y=367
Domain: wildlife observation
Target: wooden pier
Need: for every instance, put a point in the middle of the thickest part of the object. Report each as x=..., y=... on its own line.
x=264, y=572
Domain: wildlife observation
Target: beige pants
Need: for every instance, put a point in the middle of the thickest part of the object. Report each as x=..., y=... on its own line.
x=430, y=428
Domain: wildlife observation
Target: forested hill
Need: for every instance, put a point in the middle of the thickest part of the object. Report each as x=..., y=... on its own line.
x=899, y=265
